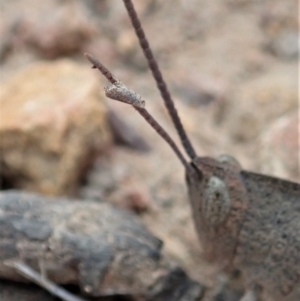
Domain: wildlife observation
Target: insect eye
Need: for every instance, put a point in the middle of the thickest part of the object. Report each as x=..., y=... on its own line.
x=216, y=202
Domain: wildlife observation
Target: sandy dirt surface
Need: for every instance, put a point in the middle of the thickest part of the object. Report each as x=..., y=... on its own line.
x=232, y=70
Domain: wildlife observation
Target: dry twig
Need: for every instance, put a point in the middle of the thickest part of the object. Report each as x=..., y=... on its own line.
x=35, y=277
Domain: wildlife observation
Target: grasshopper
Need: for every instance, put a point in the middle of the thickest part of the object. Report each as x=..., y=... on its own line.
x=246, y=221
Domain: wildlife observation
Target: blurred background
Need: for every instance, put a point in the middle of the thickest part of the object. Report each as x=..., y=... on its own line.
x=231, y=66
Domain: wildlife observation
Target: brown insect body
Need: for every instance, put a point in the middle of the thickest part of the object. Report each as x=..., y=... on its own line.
x=256, y=232
x=269, y=242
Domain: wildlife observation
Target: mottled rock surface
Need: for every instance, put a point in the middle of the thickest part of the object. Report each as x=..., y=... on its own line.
x=51, y=127
x=103, y=250
x=279, y=147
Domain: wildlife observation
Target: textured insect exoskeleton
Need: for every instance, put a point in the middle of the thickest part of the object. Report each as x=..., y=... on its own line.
x=249, y=222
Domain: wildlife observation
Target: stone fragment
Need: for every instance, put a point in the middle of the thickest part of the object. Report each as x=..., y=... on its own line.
x=52, y=125
x=49, y=29
x=103, y=250
x=260, y=102
x=279, y=147
x=279, y=23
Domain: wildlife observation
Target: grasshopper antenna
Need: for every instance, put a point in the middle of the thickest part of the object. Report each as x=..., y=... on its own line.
x=161, y=85
x=118, y=91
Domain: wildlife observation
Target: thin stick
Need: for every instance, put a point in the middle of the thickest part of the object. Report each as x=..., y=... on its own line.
x=51, y=287
x=161, y=85
x=118, y=91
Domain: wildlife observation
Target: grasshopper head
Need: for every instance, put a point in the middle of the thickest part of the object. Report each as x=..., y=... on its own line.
x=218, y=200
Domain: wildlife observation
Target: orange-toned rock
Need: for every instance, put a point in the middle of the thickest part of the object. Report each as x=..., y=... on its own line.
x=52, y=124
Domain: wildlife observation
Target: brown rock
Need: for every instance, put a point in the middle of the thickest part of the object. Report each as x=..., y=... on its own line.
x=51, y=126
x=279, y=147
x=134, y=199
x=260, y=102
x=52, y=30
x=279, y=23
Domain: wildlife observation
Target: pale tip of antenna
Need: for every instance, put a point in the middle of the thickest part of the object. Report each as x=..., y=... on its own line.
x=90, y=58
x=87, y=55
